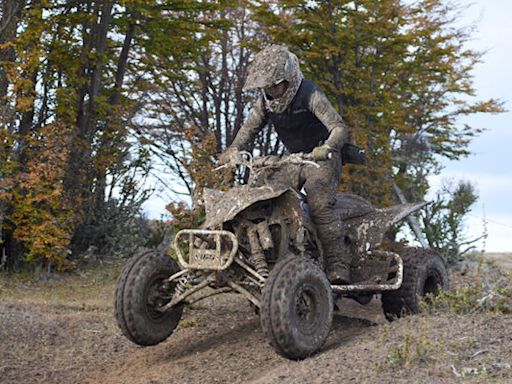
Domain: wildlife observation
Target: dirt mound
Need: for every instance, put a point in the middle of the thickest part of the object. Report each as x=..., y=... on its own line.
x=503, y=259
x=51, y=338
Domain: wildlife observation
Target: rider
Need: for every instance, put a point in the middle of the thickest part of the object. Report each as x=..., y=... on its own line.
x=305, y=121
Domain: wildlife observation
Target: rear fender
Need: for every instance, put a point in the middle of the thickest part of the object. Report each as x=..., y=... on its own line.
x=367, y=231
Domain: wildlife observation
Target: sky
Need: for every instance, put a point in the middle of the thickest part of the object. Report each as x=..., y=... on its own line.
x=489, y=166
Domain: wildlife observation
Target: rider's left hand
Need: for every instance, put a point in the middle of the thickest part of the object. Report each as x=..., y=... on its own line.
x=321, y=153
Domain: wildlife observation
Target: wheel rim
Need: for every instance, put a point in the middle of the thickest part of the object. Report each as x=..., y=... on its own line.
x=432, y=285
x=306, y=309
x=155, y=297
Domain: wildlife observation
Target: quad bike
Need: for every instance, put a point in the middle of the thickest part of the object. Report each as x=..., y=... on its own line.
x=258, y=240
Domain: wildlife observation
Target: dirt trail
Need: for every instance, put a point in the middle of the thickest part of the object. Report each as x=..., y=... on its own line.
x=47, y=344
x=222, y=343
x=226, y=346
x=52, y=339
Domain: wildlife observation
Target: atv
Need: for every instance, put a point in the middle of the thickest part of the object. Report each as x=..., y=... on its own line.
x=259, y=241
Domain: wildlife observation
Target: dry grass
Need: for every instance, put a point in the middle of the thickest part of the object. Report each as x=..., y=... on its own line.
x=503, y=259
x=88, y=289
x=475, y=349
x=463, y=334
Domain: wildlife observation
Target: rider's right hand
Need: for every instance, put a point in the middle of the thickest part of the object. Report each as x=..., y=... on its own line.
x=230, y=156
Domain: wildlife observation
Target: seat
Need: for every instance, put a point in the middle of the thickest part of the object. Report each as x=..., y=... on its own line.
x=350, y=206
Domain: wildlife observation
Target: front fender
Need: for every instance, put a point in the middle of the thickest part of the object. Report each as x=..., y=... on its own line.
x=224, y=206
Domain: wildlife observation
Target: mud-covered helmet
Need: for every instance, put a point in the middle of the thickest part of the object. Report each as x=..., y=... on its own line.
x=272, y=66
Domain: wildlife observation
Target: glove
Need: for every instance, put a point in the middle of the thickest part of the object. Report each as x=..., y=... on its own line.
x=230, y=156
x=321, y=153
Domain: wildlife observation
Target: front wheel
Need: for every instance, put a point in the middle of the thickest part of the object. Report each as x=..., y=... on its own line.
x=424, y=274
x=297, y=308
x=139, y=293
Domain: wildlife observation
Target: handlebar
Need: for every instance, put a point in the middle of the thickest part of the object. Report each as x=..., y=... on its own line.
x=349, y=154
x=246, y=159
x=257, y=168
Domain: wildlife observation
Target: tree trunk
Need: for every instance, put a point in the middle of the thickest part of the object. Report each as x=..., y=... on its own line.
x=11, y=12
x=81, y=178
x=114, y=122
x=10, y=15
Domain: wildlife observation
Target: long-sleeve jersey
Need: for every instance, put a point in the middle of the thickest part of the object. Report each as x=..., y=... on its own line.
x=309, y=120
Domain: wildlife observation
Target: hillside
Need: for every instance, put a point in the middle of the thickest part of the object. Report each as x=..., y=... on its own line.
x=63, y=331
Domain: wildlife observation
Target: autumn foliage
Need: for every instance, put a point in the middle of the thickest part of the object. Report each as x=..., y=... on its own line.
x=42, y=216
x=399, y=74
x=98, y=99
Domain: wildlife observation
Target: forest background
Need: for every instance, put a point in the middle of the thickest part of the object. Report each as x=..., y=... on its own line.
x=98, y=97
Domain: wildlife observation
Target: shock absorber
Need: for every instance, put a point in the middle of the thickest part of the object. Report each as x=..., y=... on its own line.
x=257, y=256
x=181, y=285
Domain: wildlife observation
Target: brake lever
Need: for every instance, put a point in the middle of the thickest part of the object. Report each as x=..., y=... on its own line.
x=245, y=162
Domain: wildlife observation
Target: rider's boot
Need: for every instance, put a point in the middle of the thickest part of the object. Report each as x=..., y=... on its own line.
x=338, y=271
x=321, y=187
x=336, y=256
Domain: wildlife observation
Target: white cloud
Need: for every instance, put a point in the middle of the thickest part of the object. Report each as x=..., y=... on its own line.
x=483, y=182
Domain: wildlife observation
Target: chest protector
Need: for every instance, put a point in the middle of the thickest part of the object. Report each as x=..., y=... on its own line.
x=297, y=127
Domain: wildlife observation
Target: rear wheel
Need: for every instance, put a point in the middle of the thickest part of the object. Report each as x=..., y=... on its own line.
x=140, y=292
x=297, y=308
x=424, y=274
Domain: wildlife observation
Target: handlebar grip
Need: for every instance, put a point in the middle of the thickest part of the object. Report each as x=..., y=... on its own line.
x=309, y=156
